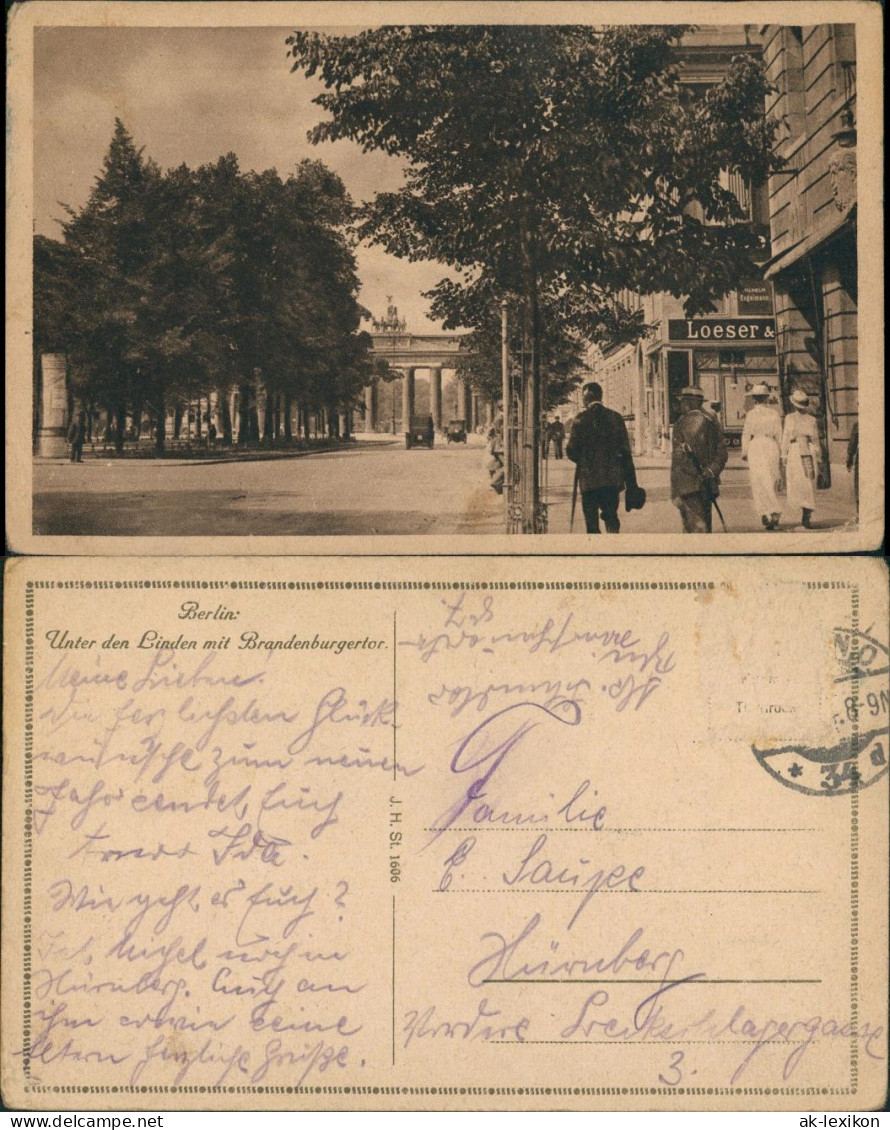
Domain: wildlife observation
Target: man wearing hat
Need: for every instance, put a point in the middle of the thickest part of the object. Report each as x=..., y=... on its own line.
x=599, y=445
x=761, y=446
x=77, y=433
x=698, y=457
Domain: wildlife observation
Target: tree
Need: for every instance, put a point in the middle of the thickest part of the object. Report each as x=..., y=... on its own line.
x=109, y=243
x=559, y=163
x=176, y=341
x=291, y=313
x=170, y=286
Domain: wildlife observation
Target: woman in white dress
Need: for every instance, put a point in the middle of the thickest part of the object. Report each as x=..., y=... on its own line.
x=800, y=451
x=761, y=448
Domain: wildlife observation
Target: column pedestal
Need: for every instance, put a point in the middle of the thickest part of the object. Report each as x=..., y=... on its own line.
x=52, y=436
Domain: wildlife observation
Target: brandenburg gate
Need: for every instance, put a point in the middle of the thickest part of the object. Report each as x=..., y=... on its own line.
x=407, y=352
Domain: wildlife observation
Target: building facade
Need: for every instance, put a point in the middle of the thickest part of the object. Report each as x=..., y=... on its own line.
x=725, y=353
x=794, y=326
x=812, y=206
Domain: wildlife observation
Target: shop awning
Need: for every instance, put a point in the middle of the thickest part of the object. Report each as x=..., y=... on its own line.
x=809, y=243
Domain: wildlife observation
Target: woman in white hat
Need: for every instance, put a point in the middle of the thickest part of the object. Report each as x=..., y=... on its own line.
x=800, y=450
x=761, y=447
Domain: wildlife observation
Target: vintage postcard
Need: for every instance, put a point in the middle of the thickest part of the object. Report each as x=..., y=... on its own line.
x=354, y=278
x=291, y=834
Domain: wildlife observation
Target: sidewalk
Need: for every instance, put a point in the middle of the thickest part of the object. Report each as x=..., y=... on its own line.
x=835, y=507
x=234, y=454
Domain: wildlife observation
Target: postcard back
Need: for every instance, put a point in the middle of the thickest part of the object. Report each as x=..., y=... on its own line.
x=293, y=834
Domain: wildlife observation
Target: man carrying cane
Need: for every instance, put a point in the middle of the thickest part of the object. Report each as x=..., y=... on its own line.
x=698, y=457
x=600, y=447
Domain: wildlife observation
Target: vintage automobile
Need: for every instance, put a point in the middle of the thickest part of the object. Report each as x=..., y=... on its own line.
x=456, y=431
x=421, y=433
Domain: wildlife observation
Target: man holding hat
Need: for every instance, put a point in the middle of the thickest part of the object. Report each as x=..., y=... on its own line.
x=698, y=456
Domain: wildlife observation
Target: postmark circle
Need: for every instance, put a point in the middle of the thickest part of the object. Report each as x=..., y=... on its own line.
x=861, y=755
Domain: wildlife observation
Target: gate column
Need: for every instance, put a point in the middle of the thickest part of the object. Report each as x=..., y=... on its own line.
x=407, y=398
x=436, y=398
x=371, y=407
x=463, y=402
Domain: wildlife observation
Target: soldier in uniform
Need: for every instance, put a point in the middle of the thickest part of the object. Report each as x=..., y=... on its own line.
x=697, y=460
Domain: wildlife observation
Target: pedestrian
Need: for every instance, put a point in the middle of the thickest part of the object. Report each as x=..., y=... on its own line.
x=853, y=460
x=430, y=431
x=600, y=448
x=76, y=435
x=697, y=460
x=496, y=471
x=761, y=450
x=800, y=452
x=557, y=435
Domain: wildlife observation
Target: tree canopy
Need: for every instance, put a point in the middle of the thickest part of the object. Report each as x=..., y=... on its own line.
x=564, y=156
x=561, y=164
x=167, y=286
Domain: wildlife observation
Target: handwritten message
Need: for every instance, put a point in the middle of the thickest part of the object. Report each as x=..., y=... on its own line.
x=275, y=843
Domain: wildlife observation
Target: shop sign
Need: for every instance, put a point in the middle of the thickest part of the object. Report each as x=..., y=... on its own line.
x=722, y=329
x=755, y=298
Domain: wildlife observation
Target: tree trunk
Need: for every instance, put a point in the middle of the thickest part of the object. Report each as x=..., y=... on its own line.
x=288, y=407
x=269, y=419
x=138, y=405
x=530, y=483
x=244, y=399
x=225, y=417
x=160, y=411
x=120, y=426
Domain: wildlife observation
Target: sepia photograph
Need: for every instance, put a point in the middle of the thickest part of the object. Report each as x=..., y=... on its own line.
x=321, y=286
